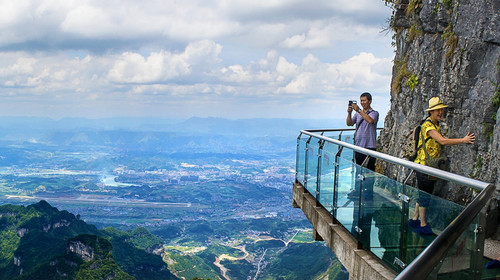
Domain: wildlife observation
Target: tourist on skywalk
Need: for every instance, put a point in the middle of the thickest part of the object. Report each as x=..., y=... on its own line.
x=433, y=143
x=365, y=136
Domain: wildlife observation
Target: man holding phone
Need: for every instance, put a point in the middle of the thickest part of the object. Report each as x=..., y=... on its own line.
x=366, y=120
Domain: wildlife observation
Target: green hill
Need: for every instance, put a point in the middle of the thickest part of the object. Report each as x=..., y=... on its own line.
x=40, y=242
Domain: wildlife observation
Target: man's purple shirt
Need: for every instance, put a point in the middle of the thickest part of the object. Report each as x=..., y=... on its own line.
x=366, y=133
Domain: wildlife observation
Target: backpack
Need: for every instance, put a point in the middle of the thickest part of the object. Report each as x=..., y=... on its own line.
x=410, y=147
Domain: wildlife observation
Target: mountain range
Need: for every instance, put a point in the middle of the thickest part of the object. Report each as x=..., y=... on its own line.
x=40, y=242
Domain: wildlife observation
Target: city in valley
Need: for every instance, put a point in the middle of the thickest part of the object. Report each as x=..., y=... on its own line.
x=221, y=204
x=231, y=188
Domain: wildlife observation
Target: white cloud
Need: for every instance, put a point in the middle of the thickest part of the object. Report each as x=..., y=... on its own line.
x=92, y=55
x=23, y=65
x=12, y=12
x=202, y=52
x=235, y=74
x=162, y=66
x=285, y=68
x=316, y=37
x=92, y=23
x=326, y=33
x=359, y=73
x=88, y=21
x=159, y=66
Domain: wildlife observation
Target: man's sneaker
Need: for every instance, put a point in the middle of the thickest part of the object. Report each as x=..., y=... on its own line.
x=492, y=264
x=414, y=223
x=425, y=230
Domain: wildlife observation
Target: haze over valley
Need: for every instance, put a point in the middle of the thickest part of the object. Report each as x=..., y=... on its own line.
x=213, y=195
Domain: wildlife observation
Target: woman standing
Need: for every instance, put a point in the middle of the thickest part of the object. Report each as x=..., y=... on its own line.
x=434, y=141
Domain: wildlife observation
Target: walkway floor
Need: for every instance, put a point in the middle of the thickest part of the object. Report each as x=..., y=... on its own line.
x=491, y=248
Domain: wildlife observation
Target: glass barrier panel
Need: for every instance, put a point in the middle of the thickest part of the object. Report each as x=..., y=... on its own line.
x=348, y=138
x=378, y=211
x=311, y=170
x=371, y=206
x=381, y=215
x=332, y=134
x=345, y=136
x=344, y=210
x=439, y=214
x=327, y=179
x=300, y=161
x=464, y=260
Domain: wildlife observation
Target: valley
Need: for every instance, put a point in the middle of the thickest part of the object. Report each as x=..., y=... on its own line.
x=221, y=204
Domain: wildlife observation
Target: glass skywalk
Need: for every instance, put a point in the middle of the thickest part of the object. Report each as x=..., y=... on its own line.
x=377, y=215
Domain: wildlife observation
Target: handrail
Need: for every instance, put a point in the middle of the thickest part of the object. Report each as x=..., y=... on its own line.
x=423, y=265
x=469, y=182
x=335, y=129
x=331, y=129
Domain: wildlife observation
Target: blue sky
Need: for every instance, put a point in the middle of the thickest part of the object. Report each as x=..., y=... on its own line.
x=177, y=59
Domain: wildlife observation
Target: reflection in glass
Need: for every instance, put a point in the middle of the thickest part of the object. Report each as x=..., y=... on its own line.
x=311, y=173
x=301, y=156
x=377, y=215
x=463, y=260
x=327, y=179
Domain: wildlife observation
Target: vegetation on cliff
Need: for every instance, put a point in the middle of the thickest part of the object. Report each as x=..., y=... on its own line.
x=449, y=49
x=41, y=242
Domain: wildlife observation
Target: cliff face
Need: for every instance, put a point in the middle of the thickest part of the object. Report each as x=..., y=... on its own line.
x=449, y=49
x=82, y=250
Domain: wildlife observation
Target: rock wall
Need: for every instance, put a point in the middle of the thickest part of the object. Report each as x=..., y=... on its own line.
x=85, y=251
x=57, y=224
x=450, y=49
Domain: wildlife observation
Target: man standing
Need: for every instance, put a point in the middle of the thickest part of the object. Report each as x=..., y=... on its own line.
x=365, y=136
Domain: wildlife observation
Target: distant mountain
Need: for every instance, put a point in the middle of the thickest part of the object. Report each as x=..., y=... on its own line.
x=254, y=127
x=266, y=137
x=32, y=128
x=41, y=242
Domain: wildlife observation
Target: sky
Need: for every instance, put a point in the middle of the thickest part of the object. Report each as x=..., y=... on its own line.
x=232, y=59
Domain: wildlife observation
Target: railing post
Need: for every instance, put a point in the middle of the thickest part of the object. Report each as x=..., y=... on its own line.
x=403, y=238
x=336, y=181
x=360, y=176
x=477, y=257
x=405, y=212
x=305, y=162
x=318, y=174
x=297, y=157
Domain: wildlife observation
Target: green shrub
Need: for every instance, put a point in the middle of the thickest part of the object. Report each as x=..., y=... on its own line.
x=414, y=6
x=451, y=41
x=412, y=81
x=415, y=31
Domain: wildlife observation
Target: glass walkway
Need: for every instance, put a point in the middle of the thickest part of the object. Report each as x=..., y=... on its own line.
x=376, y=209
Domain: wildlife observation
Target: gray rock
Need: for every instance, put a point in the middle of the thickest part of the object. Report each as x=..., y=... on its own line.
x=456, y=57
x=84, y=251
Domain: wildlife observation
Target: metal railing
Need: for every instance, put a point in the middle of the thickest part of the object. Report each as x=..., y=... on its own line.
x=448, y=176
x=423, y=265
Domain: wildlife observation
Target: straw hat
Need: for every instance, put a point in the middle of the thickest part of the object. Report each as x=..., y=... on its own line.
x=435, y=103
